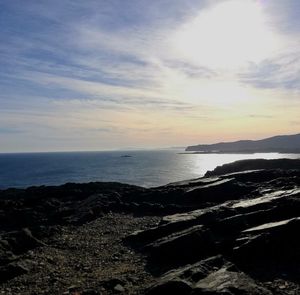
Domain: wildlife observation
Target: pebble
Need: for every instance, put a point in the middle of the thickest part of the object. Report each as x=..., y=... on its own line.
x=119, y=288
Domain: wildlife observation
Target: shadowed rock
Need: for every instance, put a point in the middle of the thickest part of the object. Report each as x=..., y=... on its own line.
x=253, y=231
x=234, y=233
x=247, y=165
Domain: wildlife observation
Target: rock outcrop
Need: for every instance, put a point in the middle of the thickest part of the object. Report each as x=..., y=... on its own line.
x=232, y=232
x=239, y=243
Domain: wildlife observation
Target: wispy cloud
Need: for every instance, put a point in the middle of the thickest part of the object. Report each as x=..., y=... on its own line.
x=72, y=69
x=10, y=130
x=282, y=72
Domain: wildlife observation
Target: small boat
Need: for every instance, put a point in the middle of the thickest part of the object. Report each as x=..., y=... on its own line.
x=126, y=156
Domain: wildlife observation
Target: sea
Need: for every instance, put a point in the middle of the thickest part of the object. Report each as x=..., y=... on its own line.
x=143, y=168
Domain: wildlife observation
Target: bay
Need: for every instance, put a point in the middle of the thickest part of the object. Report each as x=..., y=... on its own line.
x=143, y=168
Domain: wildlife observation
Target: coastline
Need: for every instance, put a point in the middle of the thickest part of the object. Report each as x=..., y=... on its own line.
x=239, y=152
x=107, y=238
x=147, y=169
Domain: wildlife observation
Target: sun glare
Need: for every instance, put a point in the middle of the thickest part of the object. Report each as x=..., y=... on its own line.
x=229, y=34
x=212, y=92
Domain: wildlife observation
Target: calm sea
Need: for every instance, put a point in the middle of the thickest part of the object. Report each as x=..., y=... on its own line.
x=144, y=168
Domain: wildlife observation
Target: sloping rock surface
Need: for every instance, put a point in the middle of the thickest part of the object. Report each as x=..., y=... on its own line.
x=242, y=239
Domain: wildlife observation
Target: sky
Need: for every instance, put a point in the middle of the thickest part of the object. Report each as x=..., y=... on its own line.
x=119, y=74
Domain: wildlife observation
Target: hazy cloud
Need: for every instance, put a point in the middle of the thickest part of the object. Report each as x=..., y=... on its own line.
x=70, y=69
x=282, y=72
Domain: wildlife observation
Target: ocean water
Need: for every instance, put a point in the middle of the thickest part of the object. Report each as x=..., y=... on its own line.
x=144, y=168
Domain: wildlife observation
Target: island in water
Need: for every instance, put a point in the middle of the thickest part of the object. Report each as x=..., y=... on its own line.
x=279, y=144
x=234, y=231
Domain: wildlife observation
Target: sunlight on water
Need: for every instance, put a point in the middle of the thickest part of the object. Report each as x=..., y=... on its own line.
x=207, y=162
x=144, y=168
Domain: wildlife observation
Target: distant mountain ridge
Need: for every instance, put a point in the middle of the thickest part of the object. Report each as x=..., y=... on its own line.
x=280, y=143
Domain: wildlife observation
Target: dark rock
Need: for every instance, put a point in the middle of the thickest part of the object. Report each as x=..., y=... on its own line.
x=249, y=218
x=6, y=255
x=217, y=192
x=90, y=292
x=246, y=165
x=269, y=242
x=24, y=240
x=234, y=233
x=11, y=270
x=112, y=283
x=119, y=288
x=170, y=287
x=182, y=247
x=229, y=283
x=210, y=276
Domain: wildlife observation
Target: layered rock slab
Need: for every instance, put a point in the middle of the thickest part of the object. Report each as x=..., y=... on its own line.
x=254, y=235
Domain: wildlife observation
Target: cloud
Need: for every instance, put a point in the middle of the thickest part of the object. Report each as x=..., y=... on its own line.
x=75, y=69
x=282, y=72
x=284, y=15
x=295, y=123
x=10, y=130
x=255, y=116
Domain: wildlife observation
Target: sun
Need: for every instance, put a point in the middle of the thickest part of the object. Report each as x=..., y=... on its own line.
x=229, y=34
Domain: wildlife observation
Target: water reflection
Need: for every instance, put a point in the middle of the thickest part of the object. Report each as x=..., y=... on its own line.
x=206, y=162
x=145, y=168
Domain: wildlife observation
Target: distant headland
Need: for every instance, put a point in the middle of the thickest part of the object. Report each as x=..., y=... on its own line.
x=279, y=144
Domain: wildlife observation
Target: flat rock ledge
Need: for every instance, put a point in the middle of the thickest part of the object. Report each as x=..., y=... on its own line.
x=231, y=233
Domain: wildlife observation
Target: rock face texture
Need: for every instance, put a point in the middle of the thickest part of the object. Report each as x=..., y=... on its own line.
x=241, y=240
x=227, y=233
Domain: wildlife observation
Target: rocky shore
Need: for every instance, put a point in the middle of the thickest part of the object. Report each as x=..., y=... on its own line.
x=235, y=231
